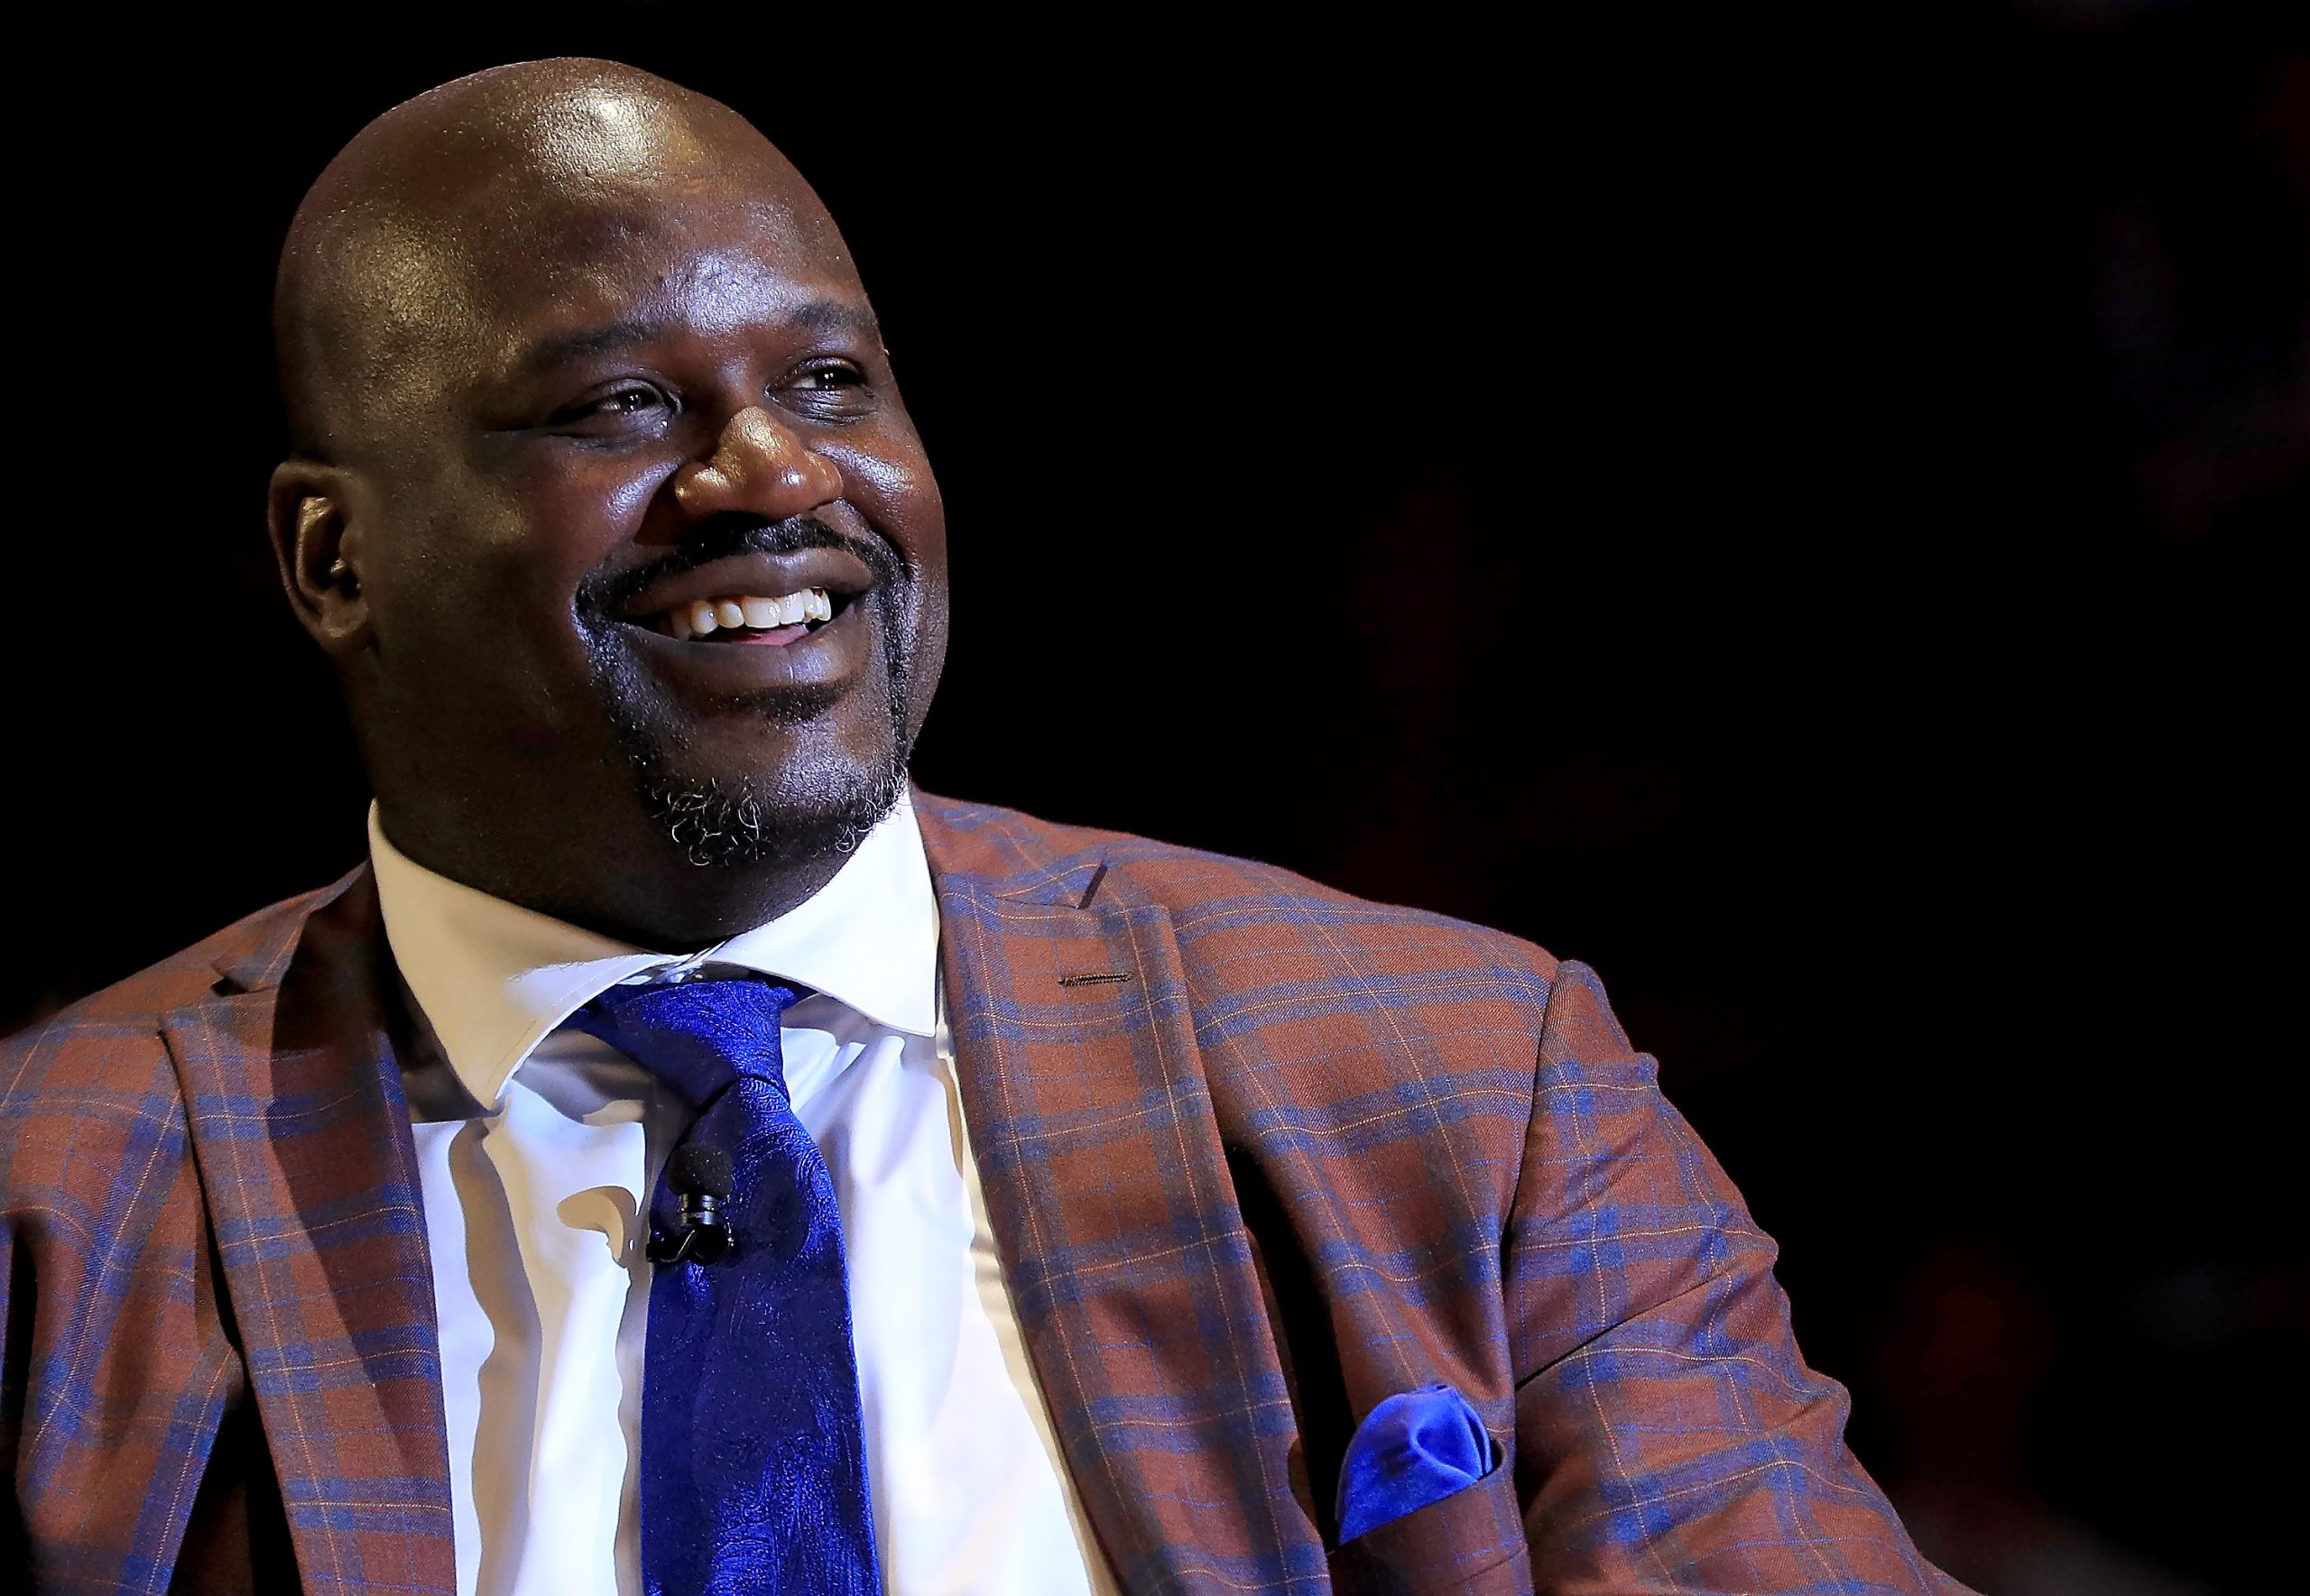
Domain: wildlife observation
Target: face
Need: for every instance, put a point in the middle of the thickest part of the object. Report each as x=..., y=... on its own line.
x=649, y=565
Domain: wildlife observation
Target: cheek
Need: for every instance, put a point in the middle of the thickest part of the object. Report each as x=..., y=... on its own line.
x=625, y=498
x=899, y=480
x=535, y=530
x=480, y=602
x=895, y=491
x=900, y=498
x=891, y=483
x=570, y=506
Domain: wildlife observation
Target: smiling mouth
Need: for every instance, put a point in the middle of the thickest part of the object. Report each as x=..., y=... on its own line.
x=773, y=621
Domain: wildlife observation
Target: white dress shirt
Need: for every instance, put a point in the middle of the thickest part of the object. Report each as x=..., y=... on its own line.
x=537, y=1149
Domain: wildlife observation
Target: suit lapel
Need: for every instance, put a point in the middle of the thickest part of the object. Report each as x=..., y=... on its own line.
x=1109, y=1192
x=306, y=1160
x=1092, y=1126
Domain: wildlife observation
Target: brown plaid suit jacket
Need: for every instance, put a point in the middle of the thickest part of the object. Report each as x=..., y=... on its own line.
x=1257, y=1156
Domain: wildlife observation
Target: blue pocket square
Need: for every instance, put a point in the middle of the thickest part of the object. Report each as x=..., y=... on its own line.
x=1415, y=1447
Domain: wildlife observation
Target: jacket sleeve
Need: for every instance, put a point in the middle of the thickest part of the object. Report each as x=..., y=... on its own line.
x=1668, y=1435
x=16, y=1352
x=116, y=1364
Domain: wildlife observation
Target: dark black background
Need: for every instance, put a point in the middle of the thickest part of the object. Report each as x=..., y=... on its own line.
x=1785, y=510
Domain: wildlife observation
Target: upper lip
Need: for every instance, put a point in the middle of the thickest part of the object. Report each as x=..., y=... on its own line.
x=841, y=574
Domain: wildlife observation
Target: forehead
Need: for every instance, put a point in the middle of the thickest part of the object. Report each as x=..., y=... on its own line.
x=713, y=257
x=605, y=201
x=466, y=228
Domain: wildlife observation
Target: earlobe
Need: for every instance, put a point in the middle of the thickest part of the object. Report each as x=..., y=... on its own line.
x=317, y=549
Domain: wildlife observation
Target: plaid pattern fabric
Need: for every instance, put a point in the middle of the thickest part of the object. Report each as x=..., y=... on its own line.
x=1257, y=1156
x=211, y=1202
x=1260, y=1154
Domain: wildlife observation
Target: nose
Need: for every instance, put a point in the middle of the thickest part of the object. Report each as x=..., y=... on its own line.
x=759, y=467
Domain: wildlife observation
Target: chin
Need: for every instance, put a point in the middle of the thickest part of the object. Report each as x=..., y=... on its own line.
x=772, y=778
x=812, y=803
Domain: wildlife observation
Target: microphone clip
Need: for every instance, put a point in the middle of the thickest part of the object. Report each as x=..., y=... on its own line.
x=700, y=1235
x=699, y=1175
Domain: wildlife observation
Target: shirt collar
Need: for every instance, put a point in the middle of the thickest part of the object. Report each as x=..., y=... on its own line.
x=493, y=978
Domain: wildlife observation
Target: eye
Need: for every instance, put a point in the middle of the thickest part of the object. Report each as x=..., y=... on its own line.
x=827, y=389
x=829, y=375
x=613, y=408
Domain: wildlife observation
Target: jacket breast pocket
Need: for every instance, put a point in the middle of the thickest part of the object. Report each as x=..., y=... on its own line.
x=1472, y=1541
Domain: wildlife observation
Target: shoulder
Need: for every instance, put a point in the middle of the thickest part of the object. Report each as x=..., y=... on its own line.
x=98, y=1071
x=1240, y=923
x=1351, y=1052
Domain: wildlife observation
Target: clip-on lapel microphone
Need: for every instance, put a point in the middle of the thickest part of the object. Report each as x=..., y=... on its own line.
x=700, y=1175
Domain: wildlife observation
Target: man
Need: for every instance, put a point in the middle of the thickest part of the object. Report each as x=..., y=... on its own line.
x=684, y=1157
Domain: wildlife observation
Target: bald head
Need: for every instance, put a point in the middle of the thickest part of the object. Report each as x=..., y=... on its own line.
x=510, y=184
x=572, y=358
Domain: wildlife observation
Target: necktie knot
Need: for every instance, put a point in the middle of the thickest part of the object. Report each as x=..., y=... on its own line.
x=696, y=1035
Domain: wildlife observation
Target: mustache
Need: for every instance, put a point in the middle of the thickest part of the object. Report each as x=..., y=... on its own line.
x=720, y=537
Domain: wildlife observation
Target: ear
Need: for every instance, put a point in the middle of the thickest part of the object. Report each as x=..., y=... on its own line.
x=318, y=550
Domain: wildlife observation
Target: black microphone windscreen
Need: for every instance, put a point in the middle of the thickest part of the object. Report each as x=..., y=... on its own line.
x=700, y=1168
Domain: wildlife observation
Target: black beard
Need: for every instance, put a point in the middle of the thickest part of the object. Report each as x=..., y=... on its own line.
x=716, y=823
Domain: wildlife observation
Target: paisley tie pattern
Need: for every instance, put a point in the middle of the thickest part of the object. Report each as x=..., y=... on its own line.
x=753, y=1461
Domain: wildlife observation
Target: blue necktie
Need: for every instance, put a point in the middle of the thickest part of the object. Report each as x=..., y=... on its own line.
x=753, y=1458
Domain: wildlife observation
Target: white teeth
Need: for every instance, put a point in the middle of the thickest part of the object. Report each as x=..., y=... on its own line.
x=707, y=616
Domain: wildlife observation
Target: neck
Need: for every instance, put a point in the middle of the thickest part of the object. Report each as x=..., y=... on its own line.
x=636, y=889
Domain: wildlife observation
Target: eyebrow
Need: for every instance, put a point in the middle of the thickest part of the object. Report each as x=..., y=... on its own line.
x=822, y=316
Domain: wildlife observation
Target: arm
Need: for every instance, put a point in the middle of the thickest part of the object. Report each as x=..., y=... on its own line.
x=116, y=1364
x=1668, y=1435
x=15, y=1353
